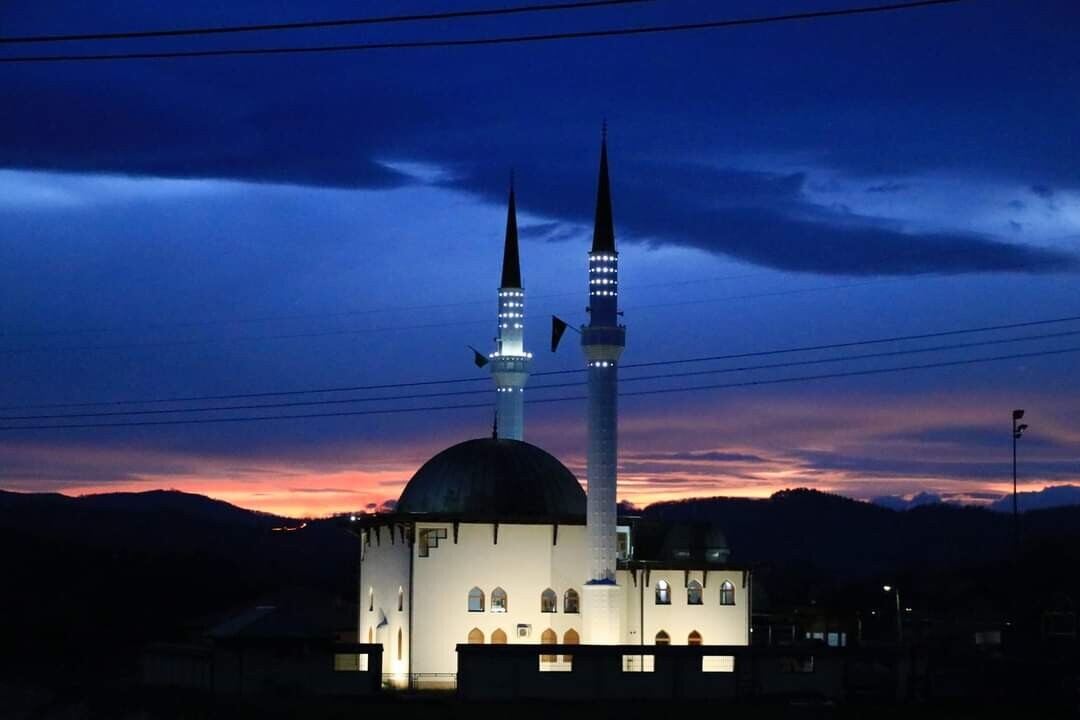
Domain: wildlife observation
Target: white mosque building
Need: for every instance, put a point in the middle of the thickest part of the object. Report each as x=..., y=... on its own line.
x=493, y=540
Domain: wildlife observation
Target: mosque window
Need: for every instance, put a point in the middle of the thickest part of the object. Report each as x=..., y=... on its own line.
x=399, y=644
x=663, y=593
x=727, y=593
x=570, y=637
x=693, y=593
x=476, y=636
x=662, y=638
x=498, y=637
x=370, y=636
x=400, y=598
x=548, y=601
x=498, y=600
x=429, y=538
x=694, y=638
x=571, y=601
x=549, y=638
x=371, y=599
x=476, y=600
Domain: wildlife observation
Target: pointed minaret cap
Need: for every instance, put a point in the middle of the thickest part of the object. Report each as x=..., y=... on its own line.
x=511, y=269
x=603, y=239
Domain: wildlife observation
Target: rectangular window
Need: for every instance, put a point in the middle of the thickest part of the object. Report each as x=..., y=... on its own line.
x=555, y=665
x=718, y=663
x=429, y=538
x=350, y=662
x=797, y=664
x=638, y=663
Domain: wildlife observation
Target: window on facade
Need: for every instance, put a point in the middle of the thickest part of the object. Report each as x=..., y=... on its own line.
x=570, y=637
x=663, y=593
x=694, y=638
x=476, y=636
x=548, y=601
x=498, y=600
x=548, y=637
x=476, y=600
x=727, y=593
x=662, y=638
x=371, y=599
x=399, y=644
x=498, y=637
x=693, y=593
x=370, y=636
x=400, y=598
x=429, y=538
x=571, y=602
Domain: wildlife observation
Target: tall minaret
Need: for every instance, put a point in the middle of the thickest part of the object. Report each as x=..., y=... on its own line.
x=510, y=363
x=603, y=340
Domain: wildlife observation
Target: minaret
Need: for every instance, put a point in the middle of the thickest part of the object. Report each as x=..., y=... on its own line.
x=603, y=340
x=510, y=363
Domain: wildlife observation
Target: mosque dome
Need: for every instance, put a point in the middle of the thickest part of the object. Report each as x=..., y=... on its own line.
x=496, y=479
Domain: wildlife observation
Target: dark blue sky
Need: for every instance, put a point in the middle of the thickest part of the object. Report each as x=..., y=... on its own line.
x=209, y=226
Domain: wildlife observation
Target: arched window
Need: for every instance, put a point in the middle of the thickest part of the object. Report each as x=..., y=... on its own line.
x=693, y=593
x=662, y=638
x=476, y=600
x=498, y=600
x=663, y=593
x=571, y=602
x=694, y=638
x=370, y=636
x=476, y=636
x=570, y=637
x=548, y=601
x=400, y=598
x=548, y=637
x=371, y=599
x=727, y=593
x=498, y=637
x=399, y=644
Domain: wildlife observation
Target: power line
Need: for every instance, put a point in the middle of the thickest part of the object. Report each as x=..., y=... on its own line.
x=636, y=393
x=482, y=41
x=317, y=24
x=389, y=309
x=396, y=328
x=550, y=386
x=548, y=373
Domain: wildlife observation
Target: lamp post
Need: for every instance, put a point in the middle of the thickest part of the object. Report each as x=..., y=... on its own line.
x=899, y=620
x=1017, y=430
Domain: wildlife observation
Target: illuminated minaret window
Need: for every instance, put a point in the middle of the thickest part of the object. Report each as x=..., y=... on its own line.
x=603, y=340
x=510, y=363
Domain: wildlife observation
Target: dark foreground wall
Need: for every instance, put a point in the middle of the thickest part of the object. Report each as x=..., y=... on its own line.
x=679, y=672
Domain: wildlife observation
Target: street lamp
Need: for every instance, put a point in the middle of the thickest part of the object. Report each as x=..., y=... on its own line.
x=1017, y=430
x=899, y=622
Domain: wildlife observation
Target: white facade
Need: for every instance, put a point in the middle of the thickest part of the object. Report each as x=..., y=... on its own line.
x=424, y=600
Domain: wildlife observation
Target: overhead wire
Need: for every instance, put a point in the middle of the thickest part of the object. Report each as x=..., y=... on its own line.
x=635, y=393
x=482, y=41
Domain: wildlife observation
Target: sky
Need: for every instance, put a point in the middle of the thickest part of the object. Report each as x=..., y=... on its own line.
x=246, y=225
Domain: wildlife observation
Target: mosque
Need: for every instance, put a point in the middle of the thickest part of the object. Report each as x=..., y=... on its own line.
x=493, y=540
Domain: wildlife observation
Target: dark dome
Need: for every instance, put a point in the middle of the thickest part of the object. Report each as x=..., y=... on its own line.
x=494, y=479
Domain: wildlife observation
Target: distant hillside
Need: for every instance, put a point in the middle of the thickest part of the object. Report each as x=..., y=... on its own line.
x=840, y=536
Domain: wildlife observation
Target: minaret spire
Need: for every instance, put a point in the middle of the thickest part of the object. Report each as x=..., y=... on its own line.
x=603, y=340
x=511, y=268
x=510, y=363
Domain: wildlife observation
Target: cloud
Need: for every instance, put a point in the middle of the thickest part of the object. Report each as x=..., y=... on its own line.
x=1042, y=191
x=887, y=187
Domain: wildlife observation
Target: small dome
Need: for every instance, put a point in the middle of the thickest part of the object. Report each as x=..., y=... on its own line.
x=494, y=479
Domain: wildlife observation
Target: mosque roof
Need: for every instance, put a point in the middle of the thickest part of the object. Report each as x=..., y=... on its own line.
x=494, y=479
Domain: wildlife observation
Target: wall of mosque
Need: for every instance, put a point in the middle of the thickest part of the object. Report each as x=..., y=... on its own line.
x=384, y=597
x=721, y=618
x=507, y=580
x=523, y=563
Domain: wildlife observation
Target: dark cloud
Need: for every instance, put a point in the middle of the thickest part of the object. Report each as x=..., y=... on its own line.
x=1042, y=191
x=969, y=436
